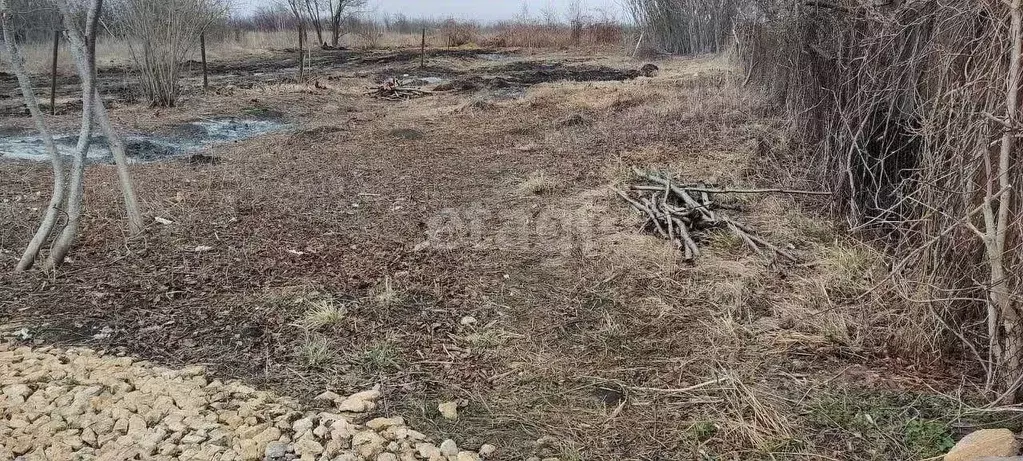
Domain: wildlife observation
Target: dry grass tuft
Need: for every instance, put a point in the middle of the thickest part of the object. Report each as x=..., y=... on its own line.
x=539, y=183
x=323, y=313
x=852, y=269
x=754, y=416
x=386, y=294
x=314, y=351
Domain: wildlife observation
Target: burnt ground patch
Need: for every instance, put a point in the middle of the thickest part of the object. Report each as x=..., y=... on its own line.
x=534, y=72
x=528, y=73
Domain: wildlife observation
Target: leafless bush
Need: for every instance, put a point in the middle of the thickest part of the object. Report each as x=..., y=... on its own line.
x=529, y=34
x=908, y=110
x=685, y=26
x=457, y=33
x=160, y=34
x=33, y=21
x=369, y=32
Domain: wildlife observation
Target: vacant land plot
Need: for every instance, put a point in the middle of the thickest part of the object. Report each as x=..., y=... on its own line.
x=465, y=246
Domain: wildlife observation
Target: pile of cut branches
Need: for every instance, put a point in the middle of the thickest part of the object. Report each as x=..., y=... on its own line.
x=683, y=212
x=395, y=90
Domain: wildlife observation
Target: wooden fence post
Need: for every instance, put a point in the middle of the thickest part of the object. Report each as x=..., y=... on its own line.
x=422, y=51
x=53, y=73
x=202, y=52
x=301, y=54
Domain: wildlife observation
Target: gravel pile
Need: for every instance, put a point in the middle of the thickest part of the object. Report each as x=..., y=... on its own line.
x=76, y=404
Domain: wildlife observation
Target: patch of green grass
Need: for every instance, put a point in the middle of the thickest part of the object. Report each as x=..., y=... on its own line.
x=927, y=437
x=886, y=425
x=702, y=431
x=380, y=357
x=314, y=352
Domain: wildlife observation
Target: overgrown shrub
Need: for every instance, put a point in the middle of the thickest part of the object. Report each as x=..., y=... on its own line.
x=907, y=112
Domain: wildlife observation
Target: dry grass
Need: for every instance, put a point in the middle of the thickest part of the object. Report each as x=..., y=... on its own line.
x=323, y=313
x=314, y=352
x=539, y=183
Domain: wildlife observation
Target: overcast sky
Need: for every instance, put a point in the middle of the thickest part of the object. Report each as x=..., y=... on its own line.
x=482, y=10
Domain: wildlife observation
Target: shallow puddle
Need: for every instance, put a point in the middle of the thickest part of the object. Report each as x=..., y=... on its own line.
x=186, y=138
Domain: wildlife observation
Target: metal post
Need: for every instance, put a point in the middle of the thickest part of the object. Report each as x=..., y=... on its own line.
x=422, y=51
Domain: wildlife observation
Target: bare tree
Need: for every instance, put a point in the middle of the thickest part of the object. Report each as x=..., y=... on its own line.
x=160, y=34
x=686, y=26
x=1004, y=329
x=315, y=17
x=79, y=44
x=84, y=45
x=338, y=10
x=67, y=194
x=296, y=7
x=53, y=210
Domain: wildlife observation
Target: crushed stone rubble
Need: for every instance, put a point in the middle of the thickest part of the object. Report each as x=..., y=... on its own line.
x=78, y=404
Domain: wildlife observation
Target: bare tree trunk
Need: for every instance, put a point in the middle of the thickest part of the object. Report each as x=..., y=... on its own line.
x=335, y=22
x=1005, y=335
x=999, y=288
x=28, y=258
x=78, y=45
x=76, y=190
x=313, y=7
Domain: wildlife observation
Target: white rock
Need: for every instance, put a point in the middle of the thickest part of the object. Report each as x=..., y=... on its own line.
x=428, y=450
x=308, y=446
x=449, y=410
x=17, y=390
x=983, y=444
x=370, y=395
x=449, y=448
x=301, y=426
x=378, y=424
x=275, y=451
x=355, y=405
x=487, y=450
x=328, y=396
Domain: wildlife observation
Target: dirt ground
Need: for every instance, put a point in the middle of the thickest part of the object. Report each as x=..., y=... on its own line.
x=469, y=248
